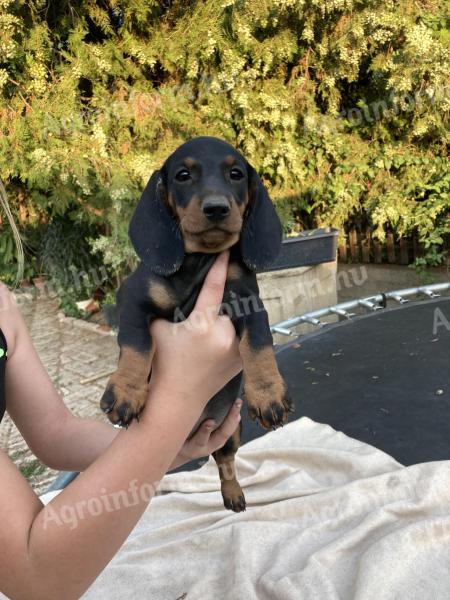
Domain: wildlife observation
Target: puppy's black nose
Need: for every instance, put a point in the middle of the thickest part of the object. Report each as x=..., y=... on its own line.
x=216, y=210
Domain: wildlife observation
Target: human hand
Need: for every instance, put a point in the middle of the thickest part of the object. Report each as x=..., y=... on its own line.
x=197, y=357
x=206, y=440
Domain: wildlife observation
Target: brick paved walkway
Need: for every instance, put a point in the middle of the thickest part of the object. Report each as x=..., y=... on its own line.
x=76, y=355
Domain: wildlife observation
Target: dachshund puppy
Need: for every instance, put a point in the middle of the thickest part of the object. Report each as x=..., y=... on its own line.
x=206, y=198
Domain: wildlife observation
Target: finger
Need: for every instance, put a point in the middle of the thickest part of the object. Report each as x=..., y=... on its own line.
x=211, y=294
x=201, y=438
x=228, y=427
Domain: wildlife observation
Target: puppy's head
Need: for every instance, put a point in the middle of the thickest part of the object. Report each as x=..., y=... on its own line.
x=205, y=198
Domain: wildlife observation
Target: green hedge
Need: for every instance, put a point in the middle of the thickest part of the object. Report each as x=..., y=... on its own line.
x=341, y=105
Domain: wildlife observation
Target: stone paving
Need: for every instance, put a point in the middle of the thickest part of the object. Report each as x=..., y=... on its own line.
x=78, y=356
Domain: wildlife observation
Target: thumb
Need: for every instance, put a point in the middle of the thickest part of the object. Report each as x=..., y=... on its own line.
x=211, y=294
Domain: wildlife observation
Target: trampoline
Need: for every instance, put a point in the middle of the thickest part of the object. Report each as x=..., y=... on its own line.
x=382, y=377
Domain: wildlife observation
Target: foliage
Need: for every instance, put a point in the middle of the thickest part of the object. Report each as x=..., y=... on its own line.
x=115, y=248
x=73, y=272
x=8, y=259
x=341, y=105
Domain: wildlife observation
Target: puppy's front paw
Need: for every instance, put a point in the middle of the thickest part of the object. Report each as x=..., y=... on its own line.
x=123, y=400
x=269, y=403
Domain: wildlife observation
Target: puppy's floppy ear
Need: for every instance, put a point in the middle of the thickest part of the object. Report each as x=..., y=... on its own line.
x=153, y=231
x=261, y=232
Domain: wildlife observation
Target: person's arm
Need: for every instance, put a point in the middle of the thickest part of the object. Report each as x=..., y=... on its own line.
x=56, y=436
x=58, y=551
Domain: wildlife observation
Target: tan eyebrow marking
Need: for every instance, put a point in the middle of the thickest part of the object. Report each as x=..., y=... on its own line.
x=190, y=162
x=229, y=160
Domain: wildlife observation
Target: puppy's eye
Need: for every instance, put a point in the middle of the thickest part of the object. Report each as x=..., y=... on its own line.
x=236, y=174
x=183, y=175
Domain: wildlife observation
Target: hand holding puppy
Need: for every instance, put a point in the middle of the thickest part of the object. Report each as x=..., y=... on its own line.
x=197, y=357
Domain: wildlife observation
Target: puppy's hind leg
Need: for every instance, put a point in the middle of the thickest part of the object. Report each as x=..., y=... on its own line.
x=233, y=496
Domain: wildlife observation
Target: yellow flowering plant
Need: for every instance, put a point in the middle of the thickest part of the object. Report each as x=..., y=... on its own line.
x=341, y=105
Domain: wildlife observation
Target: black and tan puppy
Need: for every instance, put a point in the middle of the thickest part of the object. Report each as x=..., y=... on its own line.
x=205, y=199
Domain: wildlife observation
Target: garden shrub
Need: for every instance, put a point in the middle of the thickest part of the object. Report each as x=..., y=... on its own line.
x=341, y=105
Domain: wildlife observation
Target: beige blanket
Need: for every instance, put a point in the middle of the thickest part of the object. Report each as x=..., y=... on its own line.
x=328, y=518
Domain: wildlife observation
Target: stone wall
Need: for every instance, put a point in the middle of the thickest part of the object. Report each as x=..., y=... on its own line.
x=291, y=292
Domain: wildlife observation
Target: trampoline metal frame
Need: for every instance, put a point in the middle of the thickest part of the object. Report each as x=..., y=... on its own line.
x=371, y=303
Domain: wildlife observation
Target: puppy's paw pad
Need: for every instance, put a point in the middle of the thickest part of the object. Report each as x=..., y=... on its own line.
x=234, y=501
x=288, y=403
x=123, y=404
x=108, y=400
x=271, y=407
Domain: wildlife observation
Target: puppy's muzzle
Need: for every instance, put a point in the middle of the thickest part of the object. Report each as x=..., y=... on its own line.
x=216, y=208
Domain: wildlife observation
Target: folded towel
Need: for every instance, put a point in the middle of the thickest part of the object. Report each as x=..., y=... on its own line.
x=328, y=518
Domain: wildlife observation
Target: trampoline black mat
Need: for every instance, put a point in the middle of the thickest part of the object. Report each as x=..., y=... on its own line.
x=383, y=378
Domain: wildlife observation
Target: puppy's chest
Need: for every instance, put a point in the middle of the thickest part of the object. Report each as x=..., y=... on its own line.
x=174, y=297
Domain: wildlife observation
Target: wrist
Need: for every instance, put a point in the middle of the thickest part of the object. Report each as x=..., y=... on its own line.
x=179, y=391
x=174, y=401
x=177, y=462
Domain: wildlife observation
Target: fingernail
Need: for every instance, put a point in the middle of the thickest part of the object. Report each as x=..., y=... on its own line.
x=238, y=404
x=210, y=425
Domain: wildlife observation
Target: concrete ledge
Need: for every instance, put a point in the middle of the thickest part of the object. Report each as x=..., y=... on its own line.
x=284, y=292
x=289, y=292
